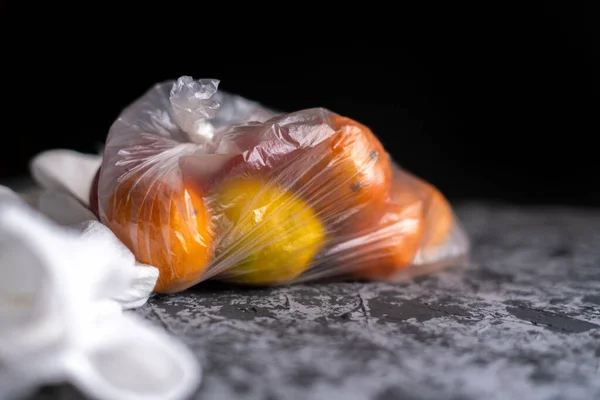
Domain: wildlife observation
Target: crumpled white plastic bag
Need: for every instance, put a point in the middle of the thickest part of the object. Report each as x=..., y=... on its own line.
x=67, y=171
x=61, y=317
x=65, y=177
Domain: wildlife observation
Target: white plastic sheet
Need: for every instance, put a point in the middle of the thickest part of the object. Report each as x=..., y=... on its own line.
x=65, y=282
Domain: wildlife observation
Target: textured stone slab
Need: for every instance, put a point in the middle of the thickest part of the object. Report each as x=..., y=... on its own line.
x=521, y=322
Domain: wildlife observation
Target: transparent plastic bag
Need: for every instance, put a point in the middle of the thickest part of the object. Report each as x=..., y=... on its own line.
x=208, y=185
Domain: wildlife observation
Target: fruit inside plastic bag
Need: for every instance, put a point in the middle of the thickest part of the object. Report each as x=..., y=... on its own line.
x=204, y=185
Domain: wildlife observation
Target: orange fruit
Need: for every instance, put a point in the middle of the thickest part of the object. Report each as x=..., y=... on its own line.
x=165, y=224
x=438, y=216
x=417, y=217
x=392, y=243
x=439, y=219
x=349, y=183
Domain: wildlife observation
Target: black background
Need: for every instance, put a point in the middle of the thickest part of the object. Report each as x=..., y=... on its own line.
x=495, y=103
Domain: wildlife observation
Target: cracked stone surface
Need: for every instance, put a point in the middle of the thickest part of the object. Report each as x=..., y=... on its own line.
x=522, y=321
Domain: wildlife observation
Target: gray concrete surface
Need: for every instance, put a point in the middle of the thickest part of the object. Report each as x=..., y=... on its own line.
x=521, y=322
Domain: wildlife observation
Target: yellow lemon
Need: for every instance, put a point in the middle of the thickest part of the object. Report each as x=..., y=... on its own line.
x=268, y=235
